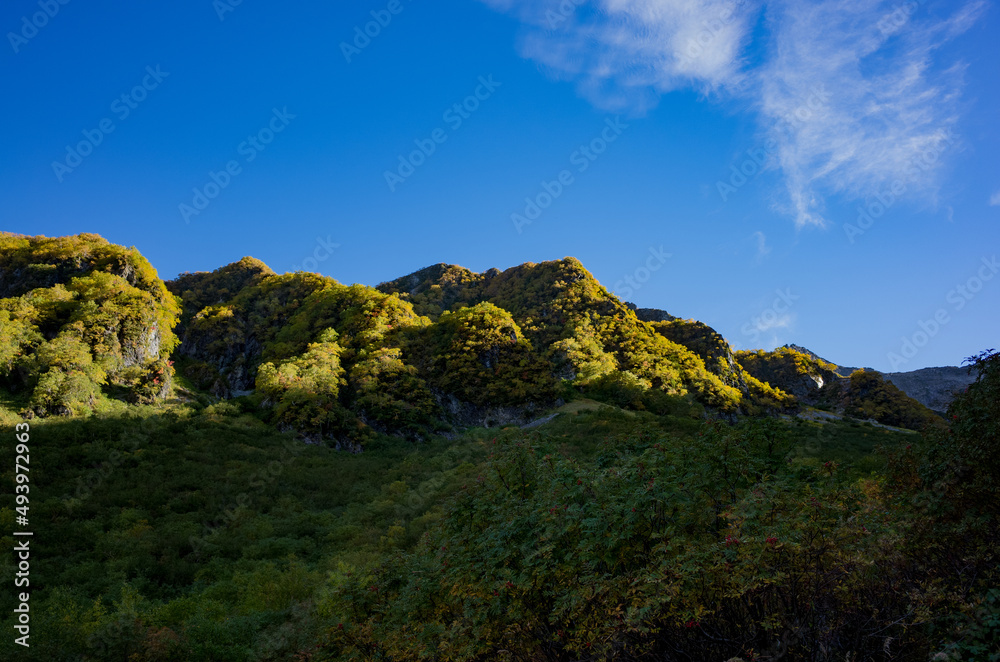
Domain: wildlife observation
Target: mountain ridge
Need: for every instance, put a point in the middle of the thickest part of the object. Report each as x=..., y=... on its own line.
x=437, y=347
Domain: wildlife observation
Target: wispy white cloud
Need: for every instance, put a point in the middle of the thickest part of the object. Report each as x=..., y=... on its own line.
x=849, y=90
x=769, y=323
x=995, y=199
x=886, y=113
x=623, y=54
x=762, y=248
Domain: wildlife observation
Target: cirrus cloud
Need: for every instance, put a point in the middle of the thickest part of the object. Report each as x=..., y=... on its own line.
x=886, y=98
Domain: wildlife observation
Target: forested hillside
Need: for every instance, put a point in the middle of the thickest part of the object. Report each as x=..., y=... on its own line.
x=243, y=465
x=88, y=325
x=441, y=346
x=82, y=322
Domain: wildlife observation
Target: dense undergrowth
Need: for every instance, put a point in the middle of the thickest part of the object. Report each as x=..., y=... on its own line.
x=190, y=533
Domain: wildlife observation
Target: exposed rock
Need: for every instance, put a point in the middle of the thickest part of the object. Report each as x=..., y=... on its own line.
x=466, y=414
x=651, y=314
x=934, y=388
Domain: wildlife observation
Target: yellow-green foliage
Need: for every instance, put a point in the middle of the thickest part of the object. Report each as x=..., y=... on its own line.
x=317, y=370
x=439, y=288
x=68, y=379
x=202, y=289
x=390, y=392
x=497, y=339
x=305, y=392
x=527, y=327
x=30, y=263
x=363, y=316
x=549, y=298
x=786, y=368
x=274, y=326
x=226, y=341
x=713, y=349
x=574, y=323
x=696, y=336
x=864, y=395
x=663, y=364
x=15, y=336
x=480, y=355
x=763, y=397
x=546, y=299
x=584, y=353
x=80, y=319
x=277, y=316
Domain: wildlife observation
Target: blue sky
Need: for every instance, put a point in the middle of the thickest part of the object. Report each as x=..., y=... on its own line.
x=864, y=224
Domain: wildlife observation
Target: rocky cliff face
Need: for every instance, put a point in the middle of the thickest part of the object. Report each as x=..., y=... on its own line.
x=934, y=388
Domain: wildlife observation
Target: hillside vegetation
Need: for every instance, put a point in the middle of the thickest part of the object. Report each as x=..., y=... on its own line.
x=863, y=394
x=82, y=322
x=190, y=533
x=249, y=466
x=441, y=346
x=87, y=325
